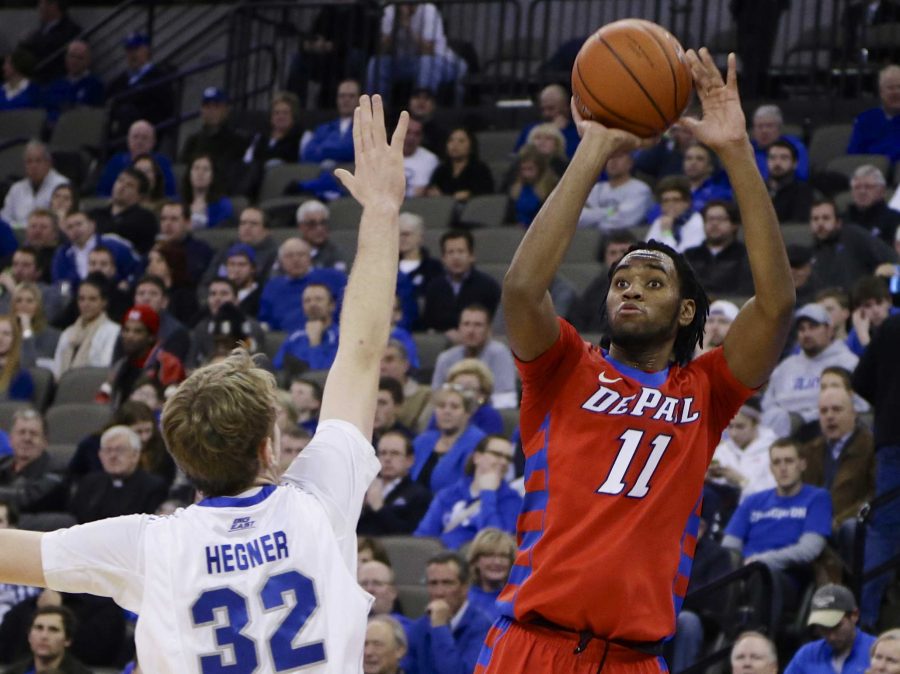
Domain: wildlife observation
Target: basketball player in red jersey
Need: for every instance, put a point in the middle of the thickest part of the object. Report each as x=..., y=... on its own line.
x=617, y=442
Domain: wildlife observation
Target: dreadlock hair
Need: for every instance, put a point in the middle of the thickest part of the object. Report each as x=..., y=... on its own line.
x=689, y=336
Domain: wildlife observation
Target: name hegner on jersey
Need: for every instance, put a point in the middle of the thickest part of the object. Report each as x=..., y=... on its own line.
x=229, y=557
x=650, y=403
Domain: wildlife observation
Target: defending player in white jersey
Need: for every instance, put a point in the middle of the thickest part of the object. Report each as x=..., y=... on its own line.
x=256, y=577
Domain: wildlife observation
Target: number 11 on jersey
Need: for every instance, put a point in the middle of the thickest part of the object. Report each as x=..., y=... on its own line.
x=615, y=480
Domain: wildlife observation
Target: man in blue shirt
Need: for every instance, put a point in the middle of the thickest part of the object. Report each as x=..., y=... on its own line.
x=333, y=140
x=315, y=344
x=448, y=638
x=784, y=528
x=78, y=86
x=141, y=140
x=877, y=131
x=843, y=648
x=766, y=129
x=280, y=305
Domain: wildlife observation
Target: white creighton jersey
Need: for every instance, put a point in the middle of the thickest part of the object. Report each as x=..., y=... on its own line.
x=260, y=582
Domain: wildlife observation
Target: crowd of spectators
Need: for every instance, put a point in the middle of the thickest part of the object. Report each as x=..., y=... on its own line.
x=131, y=286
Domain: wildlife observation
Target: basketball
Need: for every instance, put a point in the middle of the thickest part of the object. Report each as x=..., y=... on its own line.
x=632, y=75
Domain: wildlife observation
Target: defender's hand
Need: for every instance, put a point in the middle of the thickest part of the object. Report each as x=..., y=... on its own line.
x=378, y=177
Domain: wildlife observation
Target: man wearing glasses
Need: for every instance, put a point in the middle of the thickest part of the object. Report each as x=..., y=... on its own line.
x=312, y=222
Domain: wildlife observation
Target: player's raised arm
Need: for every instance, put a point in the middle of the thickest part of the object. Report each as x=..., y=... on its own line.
x=757, y=337
x=378, y=183
x=530, y=318
x=20, y=558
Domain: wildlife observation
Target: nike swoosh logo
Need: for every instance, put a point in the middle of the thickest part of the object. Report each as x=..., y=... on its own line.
x=604, y=380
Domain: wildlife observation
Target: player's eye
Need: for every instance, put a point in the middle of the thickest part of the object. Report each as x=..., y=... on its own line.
x=621, y=283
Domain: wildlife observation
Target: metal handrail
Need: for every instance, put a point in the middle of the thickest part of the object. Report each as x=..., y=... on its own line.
x=106, y=20
x=738, y=575
x=864, y=521
x=181, y=76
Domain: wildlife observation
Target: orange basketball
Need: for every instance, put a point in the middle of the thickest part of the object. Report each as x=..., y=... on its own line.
x=632, y=75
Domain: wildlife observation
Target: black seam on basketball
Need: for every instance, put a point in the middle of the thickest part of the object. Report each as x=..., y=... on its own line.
x=636, y=80
x=609, y=110
x=665, y=52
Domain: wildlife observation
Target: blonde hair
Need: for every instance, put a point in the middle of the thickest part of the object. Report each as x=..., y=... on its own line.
x=39, y=321
x=475, y=367
x=889, y=635
x=470, y=403
x=286, y=407
x=553, y=131
x=14, y=356
x=216, y=421
x=547, y=178
x=490, y=541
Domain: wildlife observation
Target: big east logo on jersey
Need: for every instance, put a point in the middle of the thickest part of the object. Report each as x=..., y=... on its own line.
x=649, y=403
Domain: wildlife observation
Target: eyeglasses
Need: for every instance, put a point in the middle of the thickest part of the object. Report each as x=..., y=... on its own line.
x=322, y=222
x=499, y=455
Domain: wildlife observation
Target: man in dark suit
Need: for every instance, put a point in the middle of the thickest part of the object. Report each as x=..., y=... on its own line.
x=155, y=104
x=757, y=25
x=394, y=503
x=55, y=31
x=460, y=285
x=122, y=488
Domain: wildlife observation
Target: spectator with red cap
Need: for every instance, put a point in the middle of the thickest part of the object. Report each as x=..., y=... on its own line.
x=142, y=355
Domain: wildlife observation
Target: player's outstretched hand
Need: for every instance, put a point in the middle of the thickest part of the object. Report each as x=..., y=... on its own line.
x=621, y=141
x=378, y=176
x=723, y=121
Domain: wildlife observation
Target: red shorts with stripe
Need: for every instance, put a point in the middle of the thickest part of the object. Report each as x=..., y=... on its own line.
x=512, y=648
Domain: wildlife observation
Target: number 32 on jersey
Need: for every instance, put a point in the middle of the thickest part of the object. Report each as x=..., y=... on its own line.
x=631, y=441
x=238, y=653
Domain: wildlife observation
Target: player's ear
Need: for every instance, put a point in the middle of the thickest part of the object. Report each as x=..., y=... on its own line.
x=686, y=312
x=267, y=453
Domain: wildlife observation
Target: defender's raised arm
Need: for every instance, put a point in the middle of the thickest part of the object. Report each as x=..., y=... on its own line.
x=379, y=184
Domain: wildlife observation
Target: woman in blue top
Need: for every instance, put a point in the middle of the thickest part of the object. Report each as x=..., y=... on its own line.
x=201, y=190
x=490, y=558
x=15, y=382
x=480, y=499
x=18, y=91
x=441, y=454
x=534, y=183
x=477, y=378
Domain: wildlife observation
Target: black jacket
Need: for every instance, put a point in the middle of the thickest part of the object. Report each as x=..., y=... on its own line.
x=877, y=379
x=43, y=43
x=792, y=201
x=135, y=223
x=881, y=220
x=847, y=255
x=37, y=488
x=442, y=306
x=727, y=273
x=401, y=513
x=98, y=496
x=155, y=104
